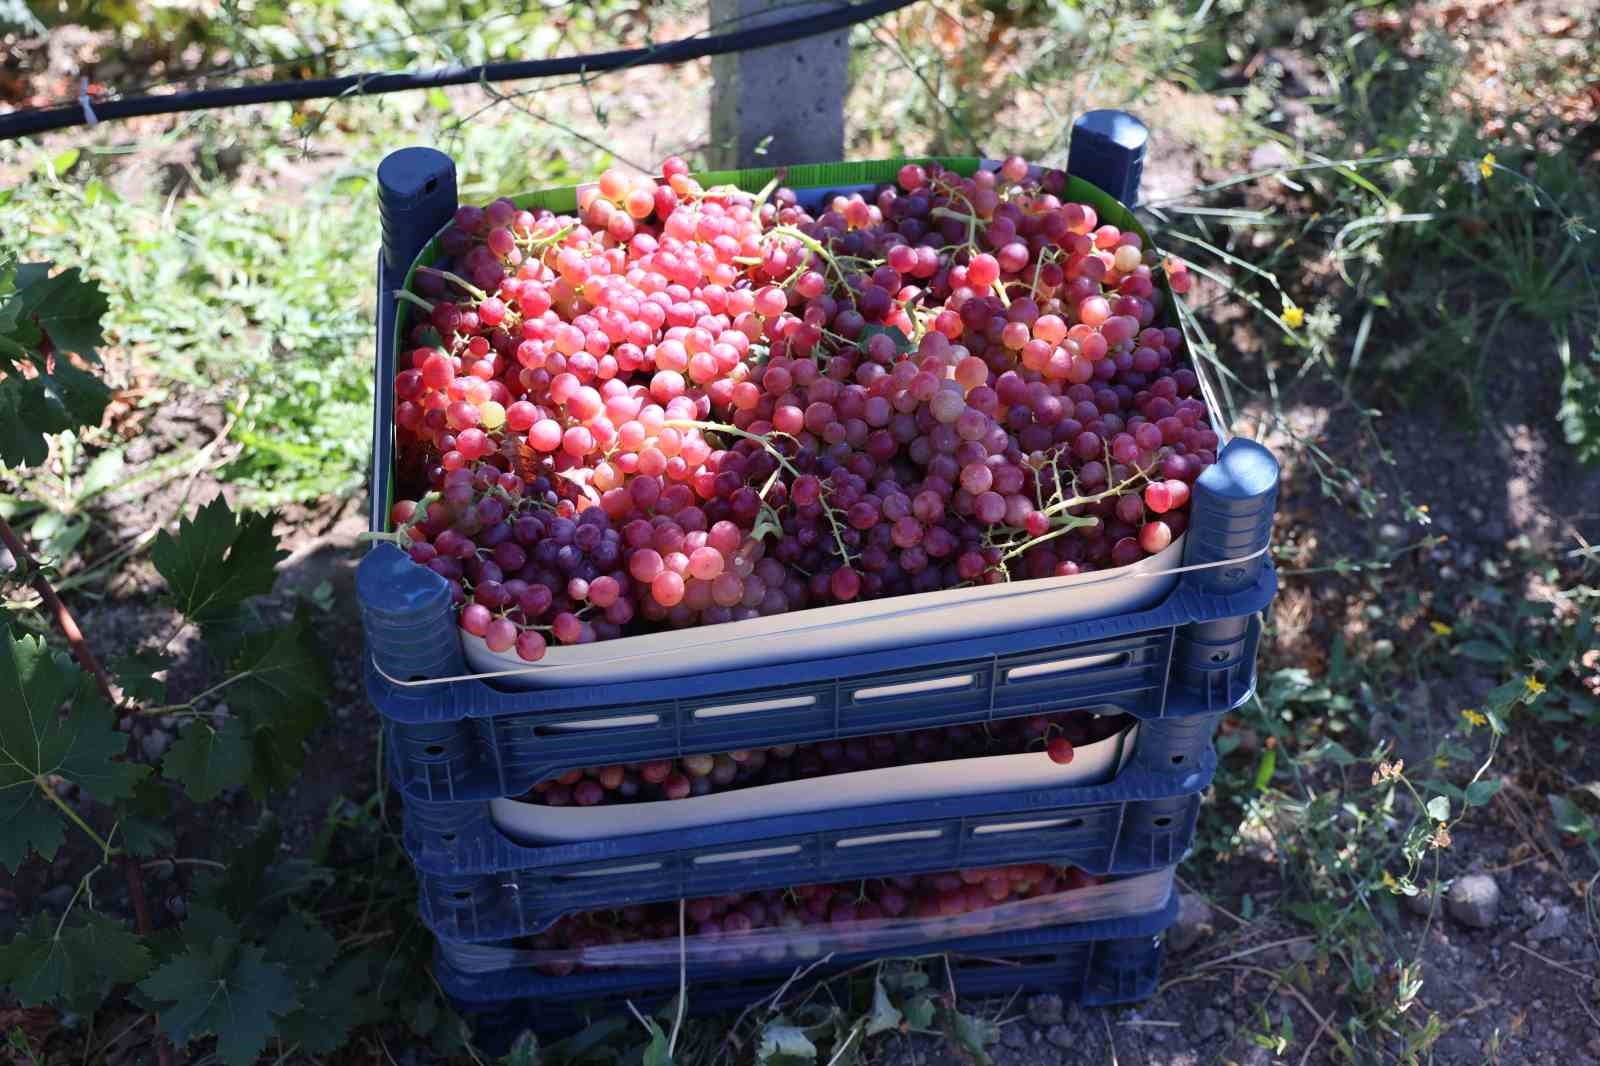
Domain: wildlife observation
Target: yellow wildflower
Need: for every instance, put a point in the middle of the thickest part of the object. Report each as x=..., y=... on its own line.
x=1486, y=168
x=1294, y=317
x=1389, y=882
x=1534, y=686
x=1441, y=629
x=1474, y=718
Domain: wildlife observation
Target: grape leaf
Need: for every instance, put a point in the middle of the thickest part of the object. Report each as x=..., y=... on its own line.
x=276, y=696
x=280, y=691
x=66, y=306
x=136, y=674
x=333, y=1004
x=36, y=741
x=208, y=761
x=301, y=943
x=75, y=966
x=46, y=403
x=144, y=830
x=258, y=878
x=227, y=989
x=218, y=560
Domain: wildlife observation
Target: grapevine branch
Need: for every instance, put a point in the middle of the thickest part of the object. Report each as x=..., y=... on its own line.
x=59, y=614
x=86, y=659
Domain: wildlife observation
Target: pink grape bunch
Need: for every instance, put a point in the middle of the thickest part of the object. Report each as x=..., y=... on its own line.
x=684, y=406
x=705, y=774
x=803, y=910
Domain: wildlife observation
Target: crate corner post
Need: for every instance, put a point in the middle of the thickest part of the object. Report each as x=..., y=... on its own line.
x=405, y=609
x=1107, y=150
x=782, y=104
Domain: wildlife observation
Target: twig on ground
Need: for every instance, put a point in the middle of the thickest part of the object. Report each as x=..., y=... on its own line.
x=1548, y=961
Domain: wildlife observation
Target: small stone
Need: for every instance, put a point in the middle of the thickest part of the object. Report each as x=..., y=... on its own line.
x=1062, y=1037
x=1194, y=922
x=59, y=896
x=1268, y=156
x=1422, y=902
x=1302, y=951
x=1207, y=1025
x=1474, y=900
x=1531, y=909
x=1013, y=1036
x=1390, y=533
x=1554, y=926
x=1256, y=1056
x=1045, y=1010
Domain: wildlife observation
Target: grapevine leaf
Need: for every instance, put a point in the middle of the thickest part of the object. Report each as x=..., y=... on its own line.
x=144, y=830
x=332, y=1005
x=301, y=943
x=75, y=966
x=227, y=989
x=28, y=823
x=46, y=403
x=279, y=689
x=218, y=560
x=36, y=741
x=67, y=306
x=258, y=878
x=207, y=761
x=136, y=674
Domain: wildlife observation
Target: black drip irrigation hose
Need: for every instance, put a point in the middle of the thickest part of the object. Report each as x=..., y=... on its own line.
x=87, y=111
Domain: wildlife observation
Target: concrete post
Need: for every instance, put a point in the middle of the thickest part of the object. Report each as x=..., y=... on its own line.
x=778, y=105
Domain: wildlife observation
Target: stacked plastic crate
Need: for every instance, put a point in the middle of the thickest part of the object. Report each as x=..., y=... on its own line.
x=462, y=747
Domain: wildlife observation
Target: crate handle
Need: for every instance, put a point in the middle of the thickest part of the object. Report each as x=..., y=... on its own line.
x=936, y=684
x=728, y=709
x=1017, y=827
x=1056, y=666
x=750, y=853
x=890, y=838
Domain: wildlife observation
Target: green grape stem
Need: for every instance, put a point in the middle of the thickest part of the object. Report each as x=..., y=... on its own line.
x=783, y=461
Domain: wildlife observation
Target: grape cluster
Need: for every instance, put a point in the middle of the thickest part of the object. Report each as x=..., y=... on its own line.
x=685, y=406
x=838, y=906
x=705, y=774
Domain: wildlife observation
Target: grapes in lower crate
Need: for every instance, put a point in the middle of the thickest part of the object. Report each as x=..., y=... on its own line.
x=805, y=921
x=701, y=773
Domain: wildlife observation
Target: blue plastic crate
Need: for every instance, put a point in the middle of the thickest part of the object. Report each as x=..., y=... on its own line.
x=477, y=884
x=1191, y=654
x=1091, y=963
x=1194, y=654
